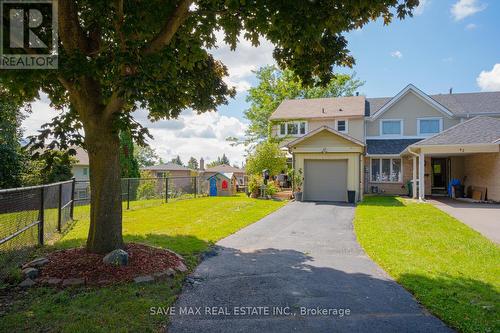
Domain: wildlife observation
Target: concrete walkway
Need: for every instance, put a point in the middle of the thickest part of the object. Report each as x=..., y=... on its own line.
x=285, y=269
x=482, y=217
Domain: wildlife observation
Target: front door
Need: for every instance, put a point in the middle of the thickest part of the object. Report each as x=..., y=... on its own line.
x=439, y=173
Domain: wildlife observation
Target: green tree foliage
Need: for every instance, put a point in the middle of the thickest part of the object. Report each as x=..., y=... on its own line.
x=146, y=156
x=177, y=160
x=129, y=166
x=267, y=155
x=193, y=163
x=48, y=167
x=219, y=161
x=116, y=56
x=11, y=155
x=275, y=86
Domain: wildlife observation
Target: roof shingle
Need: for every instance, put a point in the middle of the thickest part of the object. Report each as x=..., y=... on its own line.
x=388, y=147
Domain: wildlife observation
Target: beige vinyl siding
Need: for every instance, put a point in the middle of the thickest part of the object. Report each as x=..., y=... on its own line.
x=356, y=126
x=409, y=109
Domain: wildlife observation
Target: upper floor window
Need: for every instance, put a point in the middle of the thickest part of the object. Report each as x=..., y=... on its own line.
x=293, y=128
x=342, y=126
x=429, y=126
x=391, y=127
x=85, y=171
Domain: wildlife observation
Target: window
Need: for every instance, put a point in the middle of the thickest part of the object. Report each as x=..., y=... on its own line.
x=429, y=126
x=391, y=127
x=85, y=171
x=294, y=128
x=386, y=170
x=283, y=129
x=342, y=126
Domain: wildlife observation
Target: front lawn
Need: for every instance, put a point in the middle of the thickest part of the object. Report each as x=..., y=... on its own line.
x=187, y=227
x=450, y=268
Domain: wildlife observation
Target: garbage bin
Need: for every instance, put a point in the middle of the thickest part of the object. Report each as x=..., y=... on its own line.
x=351, y=196
x=409, y=186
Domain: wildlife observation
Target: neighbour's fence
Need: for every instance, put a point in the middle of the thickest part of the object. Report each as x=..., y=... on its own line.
x=32, y=216
x=29, y=216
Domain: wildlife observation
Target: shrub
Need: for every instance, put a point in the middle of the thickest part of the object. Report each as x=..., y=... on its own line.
x=271, y=189
x=254, y=183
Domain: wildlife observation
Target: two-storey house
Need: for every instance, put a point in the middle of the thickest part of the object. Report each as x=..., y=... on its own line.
x=378, y=145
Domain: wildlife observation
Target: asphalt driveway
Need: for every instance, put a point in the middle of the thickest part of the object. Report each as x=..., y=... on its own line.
x=299, y=269
x=482, y=217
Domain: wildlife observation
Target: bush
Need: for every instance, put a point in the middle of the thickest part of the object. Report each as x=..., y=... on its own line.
x=267, y=155
x=254, y=183
x=271, y=189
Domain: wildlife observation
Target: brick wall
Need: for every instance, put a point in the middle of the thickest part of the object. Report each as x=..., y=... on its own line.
x=484, y=170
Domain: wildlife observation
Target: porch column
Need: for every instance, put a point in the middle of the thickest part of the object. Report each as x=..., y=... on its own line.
x=421, y=176
x=414, y=195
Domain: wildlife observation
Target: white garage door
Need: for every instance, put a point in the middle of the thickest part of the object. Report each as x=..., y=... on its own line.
x=325, y=180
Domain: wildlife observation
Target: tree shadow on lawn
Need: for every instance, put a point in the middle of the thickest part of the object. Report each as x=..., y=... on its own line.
x=468, y=305
x=119, y=307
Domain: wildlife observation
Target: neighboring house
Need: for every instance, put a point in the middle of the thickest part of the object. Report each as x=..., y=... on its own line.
x=376, y=145
x=81, y=173
x=181, y=176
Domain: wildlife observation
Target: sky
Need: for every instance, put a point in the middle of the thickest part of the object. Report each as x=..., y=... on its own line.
x=447, y=44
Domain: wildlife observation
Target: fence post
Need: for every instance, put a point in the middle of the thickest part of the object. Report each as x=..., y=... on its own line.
x=59, y=209
x=166, y=189
x=128, y=193
x=72, y=207
x=195, y=186
x=42, y=216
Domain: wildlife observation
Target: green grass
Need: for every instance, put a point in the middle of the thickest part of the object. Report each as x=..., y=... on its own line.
x=185, y=226
x=450, y=268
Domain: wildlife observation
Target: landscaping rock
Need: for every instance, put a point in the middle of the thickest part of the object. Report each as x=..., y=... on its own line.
x=73, y=282
x=144, y=279
x=38, y=262
x=27, y=283
x=30, y=272
x=174, y=253
x=116, y=258
x=181, y=267
x=54, y=281
x=164, y=274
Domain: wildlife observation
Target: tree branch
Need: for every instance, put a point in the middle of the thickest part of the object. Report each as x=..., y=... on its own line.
x=70, y=31
x=168, y=31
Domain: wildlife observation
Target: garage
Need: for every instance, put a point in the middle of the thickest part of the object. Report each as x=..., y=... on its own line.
x=325, y=180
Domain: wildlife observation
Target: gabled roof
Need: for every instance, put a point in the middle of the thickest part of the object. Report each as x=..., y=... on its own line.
x=388, y=147
x=409, y=88
x=478, y=130
x=225, y=175
x=224, y=168
x=461, y=104
x=320, y=108
x=325, y=128
x=167, y=167
x=81, y=156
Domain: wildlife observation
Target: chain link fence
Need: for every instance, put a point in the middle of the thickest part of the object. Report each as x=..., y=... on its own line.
x=32, y=216
x=29, y=216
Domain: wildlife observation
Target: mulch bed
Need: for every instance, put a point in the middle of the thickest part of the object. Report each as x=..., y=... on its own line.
x=80, y=264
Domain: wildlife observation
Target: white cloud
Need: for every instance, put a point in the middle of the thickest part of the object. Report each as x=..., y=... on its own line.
x=489, y=81
x=397, y=54
x=463, y=8
x=242, y=61
x=419, y=10
x=470, y=26
x=191, y=134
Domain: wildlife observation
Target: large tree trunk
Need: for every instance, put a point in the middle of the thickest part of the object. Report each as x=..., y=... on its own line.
x=103, y=144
